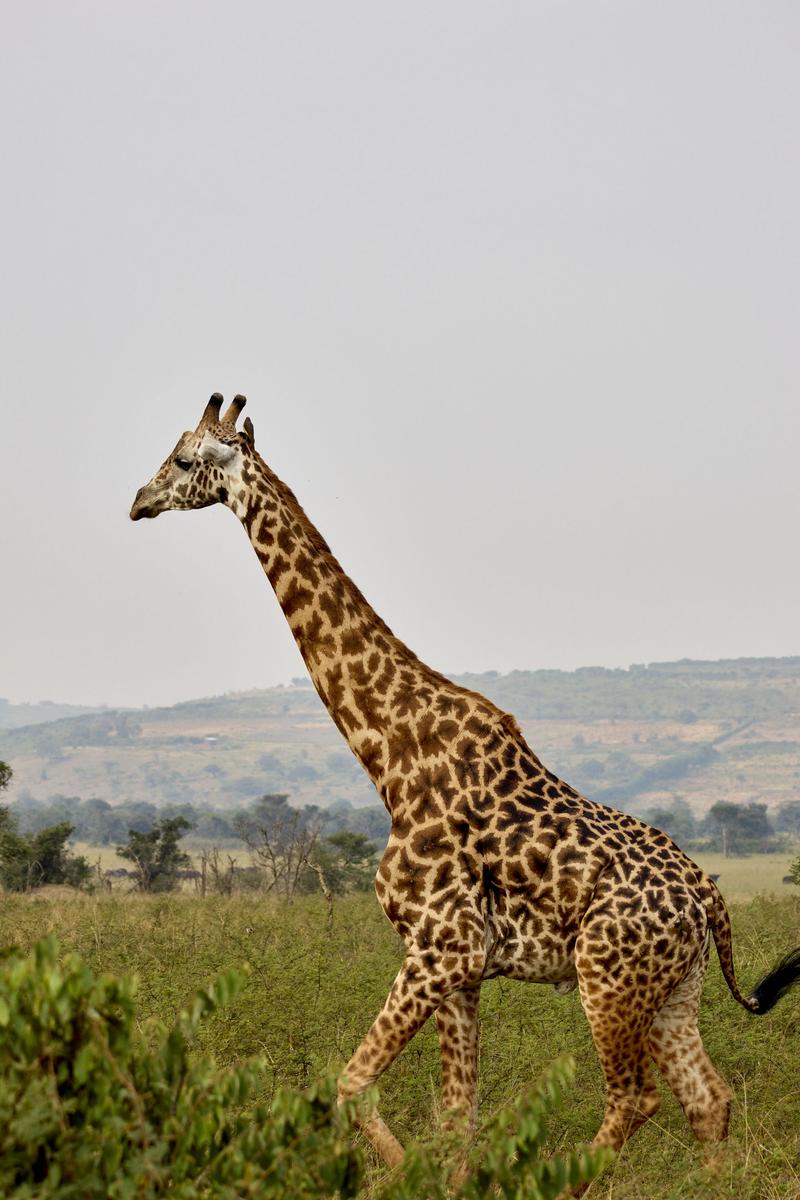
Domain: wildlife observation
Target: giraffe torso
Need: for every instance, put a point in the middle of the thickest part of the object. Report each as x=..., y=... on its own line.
x=488, y=843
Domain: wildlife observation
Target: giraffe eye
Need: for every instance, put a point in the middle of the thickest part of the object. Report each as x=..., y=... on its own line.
x=183, y=463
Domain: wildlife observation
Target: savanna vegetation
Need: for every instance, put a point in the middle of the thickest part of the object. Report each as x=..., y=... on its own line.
x=272, y=845
x=309, y=988
x=31, y=860
x=92, y=1106
x=99, y=823
x=275, y=906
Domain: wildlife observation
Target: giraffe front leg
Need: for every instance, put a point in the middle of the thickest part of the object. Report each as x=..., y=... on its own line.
x=416, y=993
x=457, y=1026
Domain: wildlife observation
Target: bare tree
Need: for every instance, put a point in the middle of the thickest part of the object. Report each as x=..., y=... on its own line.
x=281, y=840
x=214, y=873
x=326, y=891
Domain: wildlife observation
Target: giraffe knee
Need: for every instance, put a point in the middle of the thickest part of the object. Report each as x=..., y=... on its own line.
x=625, y=1113
x=649, y=1104
x=640, y=1108
x=354, y=1080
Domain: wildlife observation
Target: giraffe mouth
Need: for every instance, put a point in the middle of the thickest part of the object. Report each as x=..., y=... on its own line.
x=140, y=510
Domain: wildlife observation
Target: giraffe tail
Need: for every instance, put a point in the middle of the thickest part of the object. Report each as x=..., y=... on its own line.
x=766, y=994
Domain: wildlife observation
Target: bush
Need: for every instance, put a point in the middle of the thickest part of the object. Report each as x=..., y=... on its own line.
x=30, y=860
x=156, y=855
x=92, y=1107
x=346, y=861
x=89, y=1109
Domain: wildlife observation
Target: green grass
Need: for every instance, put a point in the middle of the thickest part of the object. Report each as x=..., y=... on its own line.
x=105, y=856
x=310, y=997
x=741, y=879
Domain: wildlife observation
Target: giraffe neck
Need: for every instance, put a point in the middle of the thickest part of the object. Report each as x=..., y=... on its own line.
x=371, y=683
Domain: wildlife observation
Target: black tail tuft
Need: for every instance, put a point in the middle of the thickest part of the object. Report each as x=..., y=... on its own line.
x=783, y=976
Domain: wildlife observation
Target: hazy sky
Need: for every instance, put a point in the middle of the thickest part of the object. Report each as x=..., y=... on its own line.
x=512, y=290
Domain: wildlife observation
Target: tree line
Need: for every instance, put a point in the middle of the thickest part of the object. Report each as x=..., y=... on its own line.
x=290, y=850
x=290, y=853
x=103, y=824
x=728, y=828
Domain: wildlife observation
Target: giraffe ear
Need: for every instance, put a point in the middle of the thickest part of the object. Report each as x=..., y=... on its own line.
x=249, y=432
x=219, y=453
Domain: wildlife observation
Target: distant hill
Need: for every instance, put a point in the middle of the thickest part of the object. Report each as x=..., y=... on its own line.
x=14, y=715
x=735, y=689
x=703, y=731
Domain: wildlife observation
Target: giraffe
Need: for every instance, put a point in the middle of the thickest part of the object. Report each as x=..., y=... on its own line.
x=493, y=865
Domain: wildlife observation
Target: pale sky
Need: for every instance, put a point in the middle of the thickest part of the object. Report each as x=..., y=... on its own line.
x=512, y=290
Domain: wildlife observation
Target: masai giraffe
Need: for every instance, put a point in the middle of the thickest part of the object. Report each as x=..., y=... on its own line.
x=493, y=865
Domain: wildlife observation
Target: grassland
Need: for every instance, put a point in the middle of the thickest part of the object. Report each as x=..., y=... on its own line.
x=740, y=879
x=311, y=995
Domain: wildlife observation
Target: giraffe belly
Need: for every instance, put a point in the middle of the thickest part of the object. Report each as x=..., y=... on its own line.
x=546, y=957
x=531, y=931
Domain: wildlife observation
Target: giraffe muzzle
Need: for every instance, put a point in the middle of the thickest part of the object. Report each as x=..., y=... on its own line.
x=140, y=508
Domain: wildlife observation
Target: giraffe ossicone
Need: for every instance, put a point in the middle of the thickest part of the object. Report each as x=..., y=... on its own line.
x=493, y=865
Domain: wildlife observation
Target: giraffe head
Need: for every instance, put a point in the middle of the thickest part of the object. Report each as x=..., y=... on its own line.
x=203, y=467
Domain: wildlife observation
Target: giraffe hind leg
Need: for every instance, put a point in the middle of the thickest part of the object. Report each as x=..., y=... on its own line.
x=680, y=1056
x=630, y=963
x=619, y=1012
x=632, y=1097
x=620, y=1033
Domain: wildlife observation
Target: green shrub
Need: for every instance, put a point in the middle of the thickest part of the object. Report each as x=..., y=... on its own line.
x=92, y=1107
x=506, y=1160
x=30, y=860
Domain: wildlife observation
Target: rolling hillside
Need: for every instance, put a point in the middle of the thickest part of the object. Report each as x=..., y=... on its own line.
x=704, y=731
